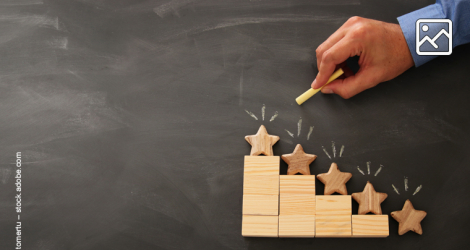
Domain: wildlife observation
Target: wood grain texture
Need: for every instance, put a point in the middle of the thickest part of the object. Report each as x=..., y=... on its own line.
x=297, y=184
x=409, y=219
x=260, y=226
x=261, y=165
x=262, y=142
x=333, y=226
x=335, y=180
x=260, y=205
x=298, y=161
x=296, y=225
x=370, y=225
x=261, y=184
x=297, y=204
x=333, y=205
x=369, y=200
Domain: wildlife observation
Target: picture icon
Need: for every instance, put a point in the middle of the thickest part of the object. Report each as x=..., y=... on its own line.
x=433, y=37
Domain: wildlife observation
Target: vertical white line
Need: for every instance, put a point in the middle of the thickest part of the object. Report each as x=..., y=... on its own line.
x=406, y=183
x=333, y=147
x=341, y=151
x=262, y=111
x=368, y=167
x=299, y=126
x=309, y=132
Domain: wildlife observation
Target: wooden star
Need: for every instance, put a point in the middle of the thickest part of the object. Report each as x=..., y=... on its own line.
x=409, y=219
x=369, y=200
x=335, y=180
x=298, y=161
x=262, y=142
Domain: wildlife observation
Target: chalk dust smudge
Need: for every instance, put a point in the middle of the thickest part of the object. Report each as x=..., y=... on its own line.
x=368, y=167
x=395, y=189
x=5, y=175
x=172, y=6
x=59, y=43
x=21, y=2
x=255, y=20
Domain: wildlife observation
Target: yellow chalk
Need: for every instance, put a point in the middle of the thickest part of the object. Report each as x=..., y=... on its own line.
x=309, y=93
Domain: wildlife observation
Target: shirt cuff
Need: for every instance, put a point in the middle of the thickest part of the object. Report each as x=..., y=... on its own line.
x=408, y=26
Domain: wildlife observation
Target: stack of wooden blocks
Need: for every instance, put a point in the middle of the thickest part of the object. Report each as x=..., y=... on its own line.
x=297, y=206
x=277, y=205
x=286, y=206
x=261, y=196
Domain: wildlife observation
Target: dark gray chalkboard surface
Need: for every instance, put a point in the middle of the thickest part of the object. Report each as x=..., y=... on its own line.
x=130, y=117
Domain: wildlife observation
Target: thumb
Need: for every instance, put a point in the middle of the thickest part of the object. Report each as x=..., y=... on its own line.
x=351, y=86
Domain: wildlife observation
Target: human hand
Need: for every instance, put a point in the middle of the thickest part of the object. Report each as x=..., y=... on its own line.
x=382, y=50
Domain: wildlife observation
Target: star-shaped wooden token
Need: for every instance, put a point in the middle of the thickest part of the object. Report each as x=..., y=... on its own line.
x=369, y=200
x=262, y=142
x=409, y=219
x=335, y=180
x=298, y=161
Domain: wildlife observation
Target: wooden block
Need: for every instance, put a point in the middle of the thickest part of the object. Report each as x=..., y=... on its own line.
x=297, y=204
x=261, y=184
x=297, y=184
x=296, y=225
x=262, y=165
x=298, y=161
x=260, y=204
x=260, y=226
x=333, y=205
x=333, y=226
x=370, y=225
x=262, y=142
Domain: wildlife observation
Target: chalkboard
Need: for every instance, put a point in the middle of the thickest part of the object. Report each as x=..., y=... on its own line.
x=129, y=119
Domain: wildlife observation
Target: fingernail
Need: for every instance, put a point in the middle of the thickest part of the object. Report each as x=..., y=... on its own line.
x=327, y=91
x=313, y=83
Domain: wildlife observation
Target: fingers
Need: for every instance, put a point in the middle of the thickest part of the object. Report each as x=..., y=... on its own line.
x=337, y=54
x=335, y=37
x=326, y=45
x=351, y=86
